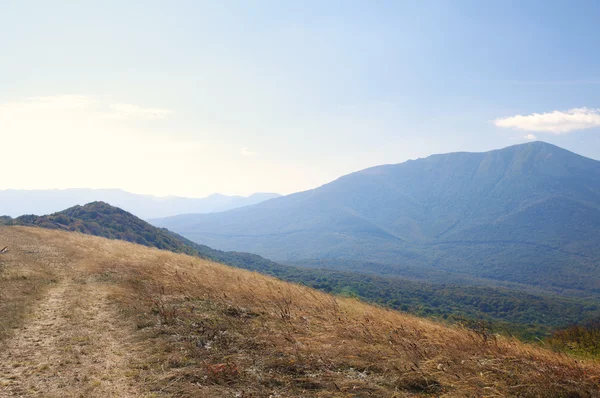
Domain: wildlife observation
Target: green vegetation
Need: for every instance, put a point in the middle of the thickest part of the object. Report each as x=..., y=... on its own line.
x=582, y=340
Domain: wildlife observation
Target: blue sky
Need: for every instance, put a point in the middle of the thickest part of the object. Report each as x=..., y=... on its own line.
x=191, y=97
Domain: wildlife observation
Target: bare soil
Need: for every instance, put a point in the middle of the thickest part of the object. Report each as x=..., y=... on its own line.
x=71, y=344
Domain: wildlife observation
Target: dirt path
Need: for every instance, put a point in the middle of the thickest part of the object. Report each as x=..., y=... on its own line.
x=73, y=344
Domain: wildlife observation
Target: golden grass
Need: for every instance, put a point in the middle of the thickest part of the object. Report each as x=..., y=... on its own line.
x=25, y=275
x=209, y=330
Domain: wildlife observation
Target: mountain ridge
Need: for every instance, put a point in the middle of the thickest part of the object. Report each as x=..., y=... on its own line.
x=426, y=212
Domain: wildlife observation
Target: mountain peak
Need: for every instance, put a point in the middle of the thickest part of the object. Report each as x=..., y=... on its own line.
x=546, y=159
x=533, y=146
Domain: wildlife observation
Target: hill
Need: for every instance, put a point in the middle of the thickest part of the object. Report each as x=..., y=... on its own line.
x=114, y=318
x=527, y=214
x=102, y=219
x=527, y=315
x=18, y=202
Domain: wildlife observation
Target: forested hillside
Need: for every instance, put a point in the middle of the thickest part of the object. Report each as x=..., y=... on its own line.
x=101, y=219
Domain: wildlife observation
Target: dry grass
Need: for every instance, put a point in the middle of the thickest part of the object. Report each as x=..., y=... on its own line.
x=25, y=275
x=68, y=339
x=208, y=330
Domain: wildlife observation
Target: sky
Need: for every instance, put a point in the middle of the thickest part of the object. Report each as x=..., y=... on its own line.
x=189, y=98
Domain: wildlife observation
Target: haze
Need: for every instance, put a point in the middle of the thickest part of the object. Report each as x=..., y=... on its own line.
x=193, y=97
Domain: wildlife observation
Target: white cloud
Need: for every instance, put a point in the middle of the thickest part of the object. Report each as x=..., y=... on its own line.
x=530, y=137
x=129, y=110
x=555, y=122
x=247, y=152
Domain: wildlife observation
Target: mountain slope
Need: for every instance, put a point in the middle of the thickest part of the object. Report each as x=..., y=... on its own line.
x=527, y=213
x=114, y=318
x=525, y=314
x=17, y=202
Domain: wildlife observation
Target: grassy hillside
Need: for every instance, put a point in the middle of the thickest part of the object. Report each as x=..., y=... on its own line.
x=184, y=326
x=526, y=315
x=525, y=214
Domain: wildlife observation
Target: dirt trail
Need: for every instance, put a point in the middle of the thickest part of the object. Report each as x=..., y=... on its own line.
x=73, y=344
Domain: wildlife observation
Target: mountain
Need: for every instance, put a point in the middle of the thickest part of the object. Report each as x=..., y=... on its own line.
x=527, y=315
x=87, y=316
x=527, y=214
x=16, y=202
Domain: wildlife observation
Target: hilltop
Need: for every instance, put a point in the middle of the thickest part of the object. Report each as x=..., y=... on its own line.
x=114, y=318
x=527, y=214
x=102, y=219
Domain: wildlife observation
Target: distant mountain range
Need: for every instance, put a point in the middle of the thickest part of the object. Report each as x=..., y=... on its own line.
x=526, y=214
x=18, y=202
